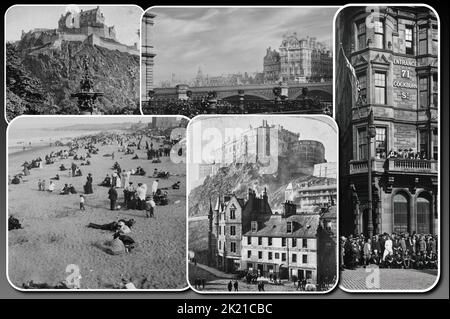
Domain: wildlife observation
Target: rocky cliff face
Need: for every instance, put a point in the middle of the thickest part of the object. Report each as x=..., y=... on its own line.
x=58, y=68
x=237, y=179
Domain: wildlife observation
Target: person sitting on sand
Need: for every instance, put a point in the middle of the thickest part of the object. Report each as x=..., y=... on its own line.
x=14, y=223
x=65, y=190
x=26, y=171
x=176, y=185
x=72, y=189
x=78, y=172
x=135, y=157
x=106, y=181
x=139, y=171
x=56, y=178
x=17, y=179
x=123, y=228
x=62, y=168
x=127, y=241
x=116, y=246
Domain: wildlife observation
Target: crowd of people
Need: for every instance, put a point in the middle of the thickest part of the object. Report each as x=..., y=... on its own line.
x=403, y=251
x=134, y=197
x=403, y=153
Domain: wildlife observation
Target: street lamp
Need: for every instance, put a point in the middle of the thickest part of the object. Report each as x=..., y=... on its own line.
x=241, y=100
x=151, y=96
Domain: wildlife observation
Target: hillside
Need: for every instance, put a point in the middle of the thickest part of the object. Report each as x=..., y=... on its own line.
x=41, y=78
x=238, y=179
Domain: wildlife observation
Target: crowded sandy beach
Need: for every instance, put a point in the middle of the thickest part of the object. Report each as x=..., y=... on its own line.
x=105, y=211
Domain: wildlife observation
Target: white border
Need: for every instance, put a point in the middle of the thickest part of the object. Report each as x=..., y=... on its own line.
x=80, y=119
x=439, y=137
x=63, y=6
x=251, y=7
x=278, y=117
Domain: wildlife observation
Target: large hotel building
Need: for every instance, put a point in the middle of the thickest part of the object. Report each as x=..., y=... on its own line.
x=394, y=52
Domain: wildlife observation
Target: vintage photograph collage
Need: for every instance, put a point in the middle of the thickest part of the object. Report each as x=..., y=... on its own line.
x=223, y=149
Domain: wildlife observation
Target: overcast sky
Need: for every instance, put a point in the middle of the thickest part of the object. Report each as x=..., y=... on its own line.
x=228, y=40
x=318, y=128
x=125, y=18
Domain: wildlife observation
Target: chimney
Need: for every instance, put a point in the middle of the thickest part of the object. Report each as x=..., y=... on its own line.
x=289, y=209
x=265, y=195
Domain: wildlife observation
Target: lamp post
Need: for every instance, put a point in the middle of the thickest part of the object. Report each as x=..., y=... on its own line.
x=151, y=95
x=429, y=133
x=241, y=94
x=371, y=133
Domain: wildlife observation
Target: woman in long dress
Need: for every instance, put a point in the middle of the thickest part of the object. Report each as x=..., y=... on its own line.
x=141, y=193
x=88, y=187
x=126, y=176
x=118, y=181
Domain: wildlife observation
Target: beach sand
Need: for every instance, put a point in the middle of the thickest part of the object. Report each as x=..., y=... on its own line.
x=55, y=235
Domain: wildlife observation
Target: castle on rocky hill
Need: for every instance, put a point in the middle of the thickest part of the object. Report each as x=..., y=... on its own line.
x=85, y=26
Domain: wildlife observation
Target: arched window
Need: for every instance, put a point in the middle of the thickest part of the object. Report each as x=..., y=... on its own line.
x=401, y=213
x=424, y=214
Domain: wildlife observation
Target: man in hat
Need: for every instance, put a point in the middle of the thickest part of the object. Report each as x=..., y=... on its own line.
x=127, y=192
x=112, y=195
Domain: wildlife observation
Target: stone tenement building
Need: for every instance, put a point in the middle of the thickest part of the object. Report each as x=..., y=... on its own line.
x=299, y=60
x=85, y=26
x=394, y=51
x=272, y=146
x=308, y=195
x=244, y=234
x=272, y=66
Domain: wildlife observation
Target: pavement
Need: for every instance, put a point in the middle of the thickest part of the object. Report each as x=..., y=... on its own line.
x=372, y=278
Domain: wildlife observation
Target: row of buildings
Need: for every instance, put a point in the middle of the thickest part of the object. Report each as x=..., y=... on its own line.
x=246, y=235
x=392, y=124
x=298, y=60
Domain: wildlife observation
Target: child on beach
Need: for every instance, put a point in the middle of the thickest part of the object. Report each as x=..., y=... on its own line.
x=150, y=207
x=82, y=200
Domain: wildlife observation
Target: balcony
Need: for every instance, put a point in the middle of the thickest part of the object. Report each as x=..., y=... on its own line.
x=416, y=166
x=395, y=165
x=360, y=167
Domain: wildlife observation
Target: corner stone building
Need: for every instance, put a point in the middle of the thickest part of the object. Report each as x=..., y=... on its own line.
x=394, y=53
